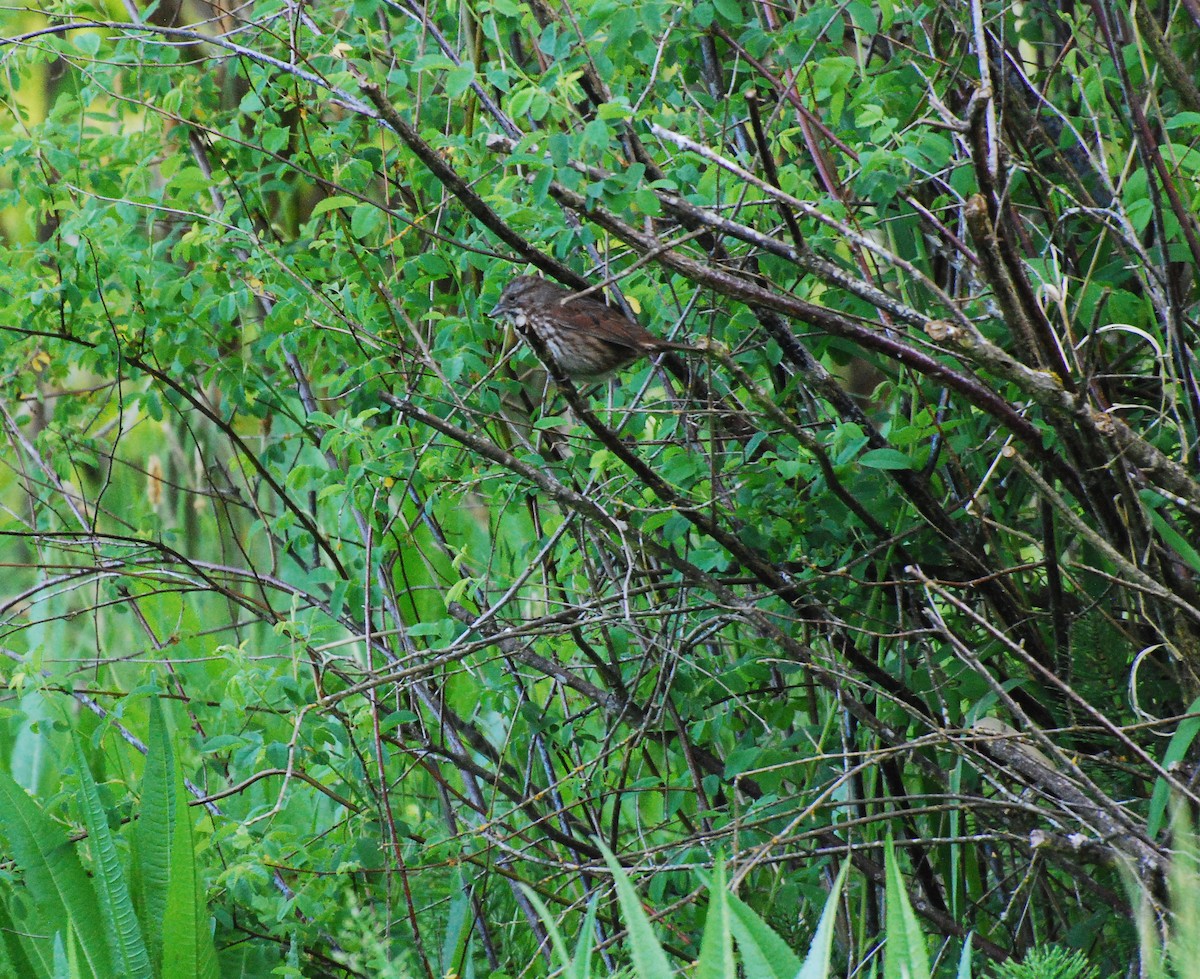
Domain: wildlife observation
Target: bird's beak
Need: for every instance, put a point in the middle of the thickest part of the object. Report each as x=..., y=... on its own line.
x=494, y=311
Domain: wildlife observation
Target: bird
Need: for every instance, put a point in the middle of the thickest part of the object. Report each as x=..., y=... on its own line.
x=587, y=340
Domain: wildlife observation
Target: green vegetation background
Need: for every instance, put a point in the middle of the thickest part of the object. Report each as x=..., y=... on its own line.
x=914, y=554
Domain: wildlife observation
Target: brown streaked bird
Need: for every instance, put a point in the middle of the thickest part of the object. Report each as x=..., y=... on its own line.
x=587, y=339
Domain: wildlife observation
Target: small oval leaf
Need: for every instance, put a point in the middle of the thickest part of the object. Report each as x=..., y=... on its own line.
x=885, y=459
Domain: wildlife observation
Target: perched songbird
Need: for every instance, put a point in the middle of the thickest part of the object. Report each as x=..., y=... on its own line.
x=587, y=339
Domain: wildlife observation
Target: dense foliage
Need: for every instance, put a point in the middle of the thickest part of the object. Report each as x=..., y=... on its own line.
x=906, y=545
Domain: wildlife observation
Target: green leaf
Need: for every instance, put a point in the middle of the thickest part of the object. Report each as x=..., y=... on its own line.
x=274, y=138
x=964, y=960
x=716, y=944
x=188, y=952
x=1172, y=537
x=459, y=79
x=863, y=16
x=557, y=944
x=1177, y=750
x=88, y=42
x=548, y=42
x=520, y=100
x=581, y=962
x=729, y=9
x=251, y=103
x=126, y=944
x=333, y=203
x=63, y=897
x=364, y=219
x=595, y=134
x=764, y=954
x=458, y=924
x=12, y=952
x=885, y=459
x=152, y=830
x=649, y=959
x=647, y=201
x=905, y=956
x=816, y=963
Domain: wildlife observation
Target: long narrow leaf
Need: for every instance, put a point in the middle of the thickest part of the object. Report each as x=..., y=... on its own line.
x=905, y=956
x=964, y=960
x=557, y=944
x=62, y=892
x=1177, y=749
x=124, y=936
x=649, y=959
x=187, y=945
x=816, y=963
x=152, y=831
x=581, y=964
x=12, y=953
x=458, y=923
x=764, y=954
x=716, y=946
